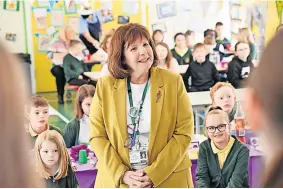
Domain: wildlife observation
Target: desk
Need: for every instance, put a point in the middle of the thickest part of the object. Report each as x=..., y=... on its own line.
x=181, y=69
x=201, y=99
x=87, y=174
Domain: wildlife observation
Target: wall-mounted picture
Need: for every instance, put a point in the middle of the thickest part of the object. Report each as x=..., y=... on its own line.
x=106, y=15
x=11, y=5
x=123, y=19
x=70, y=7
x=11, y=37
x=43, y=43
x=42, y=4
x=57, y=18
x=166, y=9
x=159, y=26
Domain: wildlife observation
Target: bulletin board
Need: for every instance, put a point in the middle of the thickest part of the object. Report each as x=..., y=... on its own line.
x=48, y=16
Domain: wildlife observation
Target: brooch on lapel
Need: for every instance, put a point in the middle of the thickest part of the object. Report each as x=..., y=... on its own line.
x=158, y=96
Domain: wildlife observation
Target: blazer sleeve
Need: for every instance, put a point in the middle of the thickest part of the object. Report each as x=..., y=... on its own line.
x=202, y=175
x=178, y=145
x=99, y=141
x=241, y=171
x=69, y=134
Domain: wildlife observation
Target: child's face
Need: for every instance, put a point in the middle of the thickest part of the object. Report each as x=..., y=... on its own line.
x=180, y=41
x=217, y=120
x=190, y=39
x=243, y=50
x=49, y=154
x=38, y=117
x=199, y=54
x=158, y=37
x=225, y=98
x=77, y=50
x=219, y=30
x=161, y=52
x=86, y=105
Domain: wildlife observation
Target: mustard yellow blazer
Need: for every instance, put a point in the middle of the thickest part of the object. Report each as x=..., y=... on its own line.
x=171, y=131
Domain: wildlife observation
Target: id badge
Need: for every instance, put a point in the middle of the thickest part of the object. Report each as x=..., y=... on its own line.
x=138, y=158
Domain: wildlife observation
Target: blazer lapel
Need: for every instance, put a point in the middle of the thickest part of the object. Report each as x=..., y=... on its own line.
x=157, y=97
x=119, y=96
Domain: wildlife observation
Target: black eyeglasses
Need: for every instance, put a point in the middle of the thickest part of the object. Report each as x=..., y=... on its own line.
x=212, y=129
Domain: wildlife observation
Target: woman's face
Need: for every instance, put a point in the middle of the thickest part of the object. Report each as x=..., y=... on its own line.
x=161, y=52
x=220, y=134
x=139, y=56
x=70, y=33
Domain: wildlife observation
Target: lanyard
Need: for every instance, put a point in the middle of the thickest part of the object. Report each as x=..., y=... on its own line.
x=134, y=112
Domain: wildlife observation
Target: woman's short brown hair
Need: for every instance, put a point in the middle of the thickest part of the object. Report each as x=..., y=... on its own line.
x=123, y=38
x=104, y=42
x=83, y=92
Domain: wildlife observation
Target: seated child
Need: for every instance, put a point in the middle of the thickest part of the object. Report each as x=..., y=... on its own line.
x=38, y=115
x=53, y=161
x=223, y=161
x=223, y=95
x=77, y=130
x=240, y=67
x=203, y=73
x=74, y=67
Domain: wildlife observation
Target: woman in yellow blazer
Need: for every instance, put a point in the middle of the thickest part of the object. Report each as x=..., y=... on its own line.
x=141, y=121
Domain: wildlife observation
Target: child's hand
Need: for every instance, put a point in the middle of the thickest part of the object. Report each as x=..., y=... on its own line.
x=80, y=77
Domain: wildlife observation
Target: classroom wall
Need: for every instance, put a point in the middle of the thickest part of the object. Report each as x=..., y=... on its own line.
x=13, y=22
x=45, y=82
x=194, y=15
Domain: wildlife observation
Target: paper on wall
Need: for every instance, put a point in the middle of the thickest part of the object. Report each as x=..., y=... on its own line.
x=40, y=13
x=51, y=30
x=57, y=18
x=131, y=6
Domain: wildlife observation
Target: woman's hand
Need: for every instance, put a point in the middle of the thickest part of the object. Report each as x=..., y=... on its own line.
x=144, y=178
x=80, y=77
x=134, y=179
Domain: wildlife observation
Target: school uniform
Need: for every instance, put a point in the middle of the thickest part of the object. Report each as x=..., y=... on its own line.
x=76, y=131
x=203, y=76
x=239, y=71
x=182, y=57
x=33, y=135
x=227, y=168
x=74, y=67
x=70, y=181
x=225, y=42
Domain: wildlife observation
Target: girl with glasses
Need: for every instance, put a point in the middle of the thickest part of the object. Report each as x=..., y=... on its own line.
x=223, y=160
